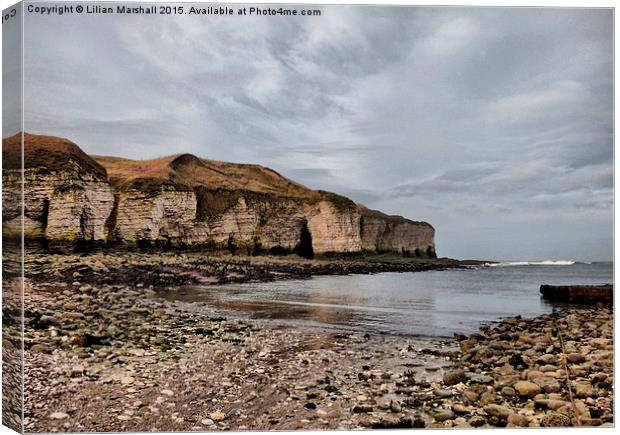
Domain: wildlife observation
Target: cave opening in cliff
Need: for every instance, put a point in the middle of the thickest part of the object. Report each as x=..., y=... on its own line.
x=82, y=243
x=45, y=213
x=110, y=222
x=304, y=248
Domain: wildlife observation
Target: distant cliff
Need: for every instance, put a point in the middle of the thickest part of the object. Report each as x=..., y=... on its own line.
x=182, y=201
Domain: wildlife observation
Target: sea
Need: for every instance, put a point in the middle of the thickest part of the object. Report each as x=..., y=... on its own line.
x=423, y=304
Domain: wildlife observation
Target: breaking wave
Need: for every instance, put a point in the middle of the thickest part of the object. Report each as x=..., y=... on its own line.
x=533, y=263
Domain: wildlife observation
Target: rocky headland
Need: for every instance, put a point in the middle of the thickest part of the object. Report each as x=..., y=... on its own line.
x=74, y=201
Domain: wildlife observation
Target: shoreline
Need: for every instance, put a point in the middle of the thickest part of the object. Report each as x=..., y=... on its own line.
x=153, y=368
x=174, y=268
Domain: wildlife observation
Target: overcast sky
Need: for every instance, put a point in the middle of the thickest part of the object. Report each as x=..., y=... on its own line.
x=494, y=125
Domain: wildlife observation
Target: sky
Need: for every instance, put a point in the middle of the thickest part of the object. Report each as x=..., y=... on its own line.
x=493, y=124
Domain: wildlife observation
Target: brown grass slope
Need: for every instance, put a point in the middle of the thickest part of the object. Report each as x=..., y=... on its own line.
x=394, y=219
x=47, y=153
x=188, y=172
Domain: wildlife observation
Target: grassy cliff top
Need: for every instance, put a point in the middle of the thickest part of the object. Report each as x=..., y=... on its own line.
x=394, y=219
x=49, y=153
x=188, y=172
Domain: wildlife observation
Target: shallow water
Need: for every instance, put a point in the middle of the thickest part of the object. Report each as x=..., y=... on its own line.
x=434, y=303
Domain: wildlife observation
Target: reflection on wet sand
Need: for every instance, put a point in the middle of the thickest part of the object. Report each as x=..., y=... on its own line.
x=320, y=308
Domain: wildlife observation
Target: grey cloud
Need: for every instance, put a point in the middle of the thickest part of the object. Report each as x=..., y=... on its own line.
x=590, y=153
x=308, y=173
x=469, y=174
x=604, y=204
x=523, y=190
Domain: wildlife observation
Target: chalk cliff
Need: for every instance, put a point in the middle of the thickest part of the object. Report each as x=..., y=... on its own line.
x=73, y=199
x=67, y=196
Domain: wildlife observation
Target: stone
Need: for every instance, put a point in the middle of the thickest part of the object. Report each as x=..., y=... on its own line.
x=518, y=420
x=460, y=409
x=590, y=421
x=554, y=405
x=217, y=416
x=599, y=377
x=49, y=320
x=487, y=398
x=600, y=343
x=207, y=422
x=575, y=358
x=476, y=421
x=395, y=406
x=419, y=423
x=508, y=391
x=443, y=394
x=475, y=378
x=127, y=380
x=59, y=415
x=547, y=358
x=454, y=377
x=527, y=388
x=551, y=387
x=460, y=422
x=583, y=390
x=41, y=348
x=499, y=411
x=534, y=374
x=467, y=345
x=555, y=419
x=443, y=415
x=470, y=396
x=77, y=370
x=384, y=402
x=73, y=316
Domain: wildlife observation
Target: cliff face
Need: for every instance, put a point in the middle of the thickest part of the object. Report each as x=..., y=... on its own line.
x=382, y=233
x=66, y=194
x=71, y=197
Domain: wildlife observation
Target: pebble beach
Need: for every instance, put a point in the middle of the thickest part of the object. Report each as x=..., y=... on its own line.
x=115, y=357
